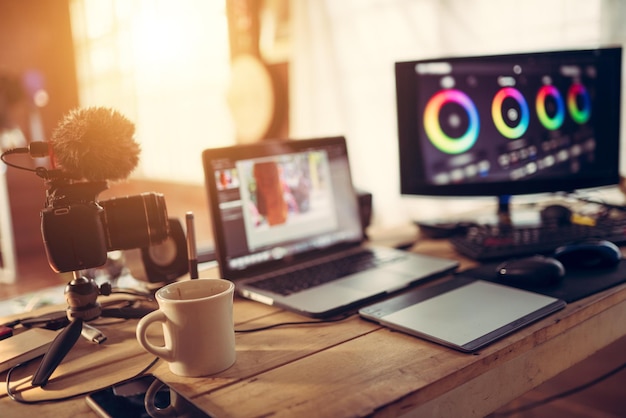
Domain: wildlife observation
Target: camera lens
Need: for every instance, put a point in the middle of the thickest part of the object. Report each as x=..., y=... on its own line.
x=135, y=221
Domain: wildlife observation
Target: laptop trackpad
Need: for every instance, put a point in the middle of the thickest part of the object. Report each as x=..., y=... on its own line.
x=373, y=281
x=326, y=297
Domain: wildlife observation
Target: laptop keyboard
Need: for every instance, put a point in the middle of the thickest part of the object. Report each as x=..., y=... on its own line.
x=306, y=277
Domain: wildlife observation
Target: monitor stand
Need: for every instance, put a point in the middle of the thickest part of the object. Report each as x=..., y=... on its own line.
x=504, y=211
x=506, y=215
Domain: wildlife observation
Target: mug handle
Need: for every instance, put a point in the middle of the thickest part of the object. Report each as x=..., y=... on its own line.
x=149, y=401
x=142, y=327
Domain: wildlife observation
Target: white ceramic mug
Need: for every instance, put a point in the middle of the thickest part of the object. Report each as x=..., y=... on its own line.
x=198, y=329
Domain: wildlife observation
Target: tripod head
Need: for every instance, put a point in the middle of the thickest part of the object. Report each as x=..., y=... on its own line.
x=81, y=295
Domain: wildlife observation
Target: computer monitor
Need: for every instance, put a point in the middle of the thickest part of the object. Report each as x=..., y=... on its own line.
x=503, y=125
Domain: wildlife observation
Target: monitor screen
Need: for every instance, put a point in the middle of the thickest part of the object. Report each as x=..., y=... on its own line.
x=510, y=124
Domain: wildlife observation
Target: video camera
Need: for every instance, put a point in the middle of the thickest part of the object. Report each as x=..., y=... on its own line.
x=78, y=230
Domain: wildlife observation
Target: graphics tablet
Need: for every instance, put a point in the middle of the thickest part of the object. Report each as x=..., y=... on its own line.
x=463, y=313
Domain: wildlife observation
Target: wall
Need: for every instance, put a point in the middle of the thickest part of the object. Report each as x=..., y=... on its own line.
x=36, y=38
x=35, y=35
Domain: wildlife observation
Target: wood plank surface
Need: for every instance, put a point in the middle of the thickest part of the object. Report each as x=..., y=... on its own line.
x=386, y=368
x=342, y=369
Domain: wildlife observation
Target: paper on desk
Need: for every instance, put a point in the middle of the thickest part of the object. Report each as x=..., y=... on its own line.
x=25, y=346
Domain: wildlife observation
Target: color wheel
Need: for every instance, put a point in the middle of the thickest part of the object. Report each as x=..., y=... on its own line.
x=496, y=113
x=555, y=121
x=437, y=136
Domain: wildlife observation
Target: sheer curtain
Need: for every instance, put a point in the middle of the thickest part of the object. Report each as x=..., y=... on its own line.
x=342, y=79
x=165, y=65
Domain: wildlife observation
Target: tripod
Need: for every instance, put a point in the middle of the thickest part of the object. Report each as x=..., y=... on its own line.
x=81, y=295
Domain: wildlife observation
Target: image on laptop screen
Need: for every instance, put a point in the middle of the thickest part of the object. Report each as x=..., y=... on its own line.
x=282, y=204
x=286, y=197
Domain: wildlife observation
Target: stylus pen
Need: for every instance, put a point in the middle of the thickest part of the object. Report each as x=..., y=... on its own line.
x=192, y=253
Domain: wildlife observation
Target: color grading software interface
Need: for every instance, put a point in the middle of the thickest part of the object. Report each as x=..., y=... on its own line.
x=503, y=121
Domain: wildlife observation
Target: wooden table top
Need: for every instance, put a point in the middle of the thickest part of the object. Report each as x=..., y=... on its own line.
x=343, y=369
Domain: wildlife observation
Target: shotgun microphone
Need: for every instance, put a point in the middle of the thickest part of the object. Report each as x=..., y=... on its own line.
x=95, y=144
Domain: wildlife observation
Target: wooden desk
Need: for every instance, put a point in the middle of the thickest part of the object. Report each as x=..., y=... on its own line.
x=345, y=369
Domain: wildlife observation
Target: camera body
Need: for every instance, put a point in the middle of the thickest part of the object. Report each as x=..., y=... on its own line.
x=78, y=231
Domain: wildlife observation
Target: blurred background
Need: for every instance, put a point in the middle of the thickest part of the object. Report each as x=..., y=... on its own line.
x=194, y=74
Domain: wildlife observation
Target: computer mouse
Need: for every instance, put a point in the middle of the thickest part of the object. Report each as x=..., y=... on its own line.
x=589, y=254
x=535, y=270
x=556, y=215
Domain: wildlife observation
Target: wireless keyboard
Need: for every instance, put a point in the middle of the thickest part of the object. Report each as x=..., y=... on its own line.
x=485, y=242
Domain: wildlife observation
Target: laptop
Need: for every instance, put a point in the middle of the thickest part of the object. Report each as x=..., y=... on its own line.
x=463, y=313
x=282, y=211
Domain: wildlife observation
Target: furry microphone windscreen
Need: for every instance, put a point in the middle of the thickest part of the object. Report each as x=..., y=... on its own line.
x=95, y=144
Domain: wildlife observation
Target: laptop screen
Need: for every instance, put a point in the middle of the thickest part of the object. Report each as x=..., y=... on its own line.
x=275, y=201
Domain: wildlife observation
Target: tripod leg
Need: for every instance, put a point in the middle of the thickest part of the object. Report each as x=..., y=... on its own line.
x=61, y=345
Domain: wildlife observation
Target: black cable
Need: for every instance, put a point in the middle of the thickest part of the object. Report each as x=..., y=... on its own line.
x=122, y=303
x=56, y=320
x=16, y=151
x=13, y=396
x=283, y=324
x=132, y=292
x=562, y=394
x=601, y=203
x=35, y=149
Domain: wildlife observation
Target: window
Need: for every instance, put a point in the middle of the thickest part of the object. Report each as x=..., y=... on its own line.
x=164, y=64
